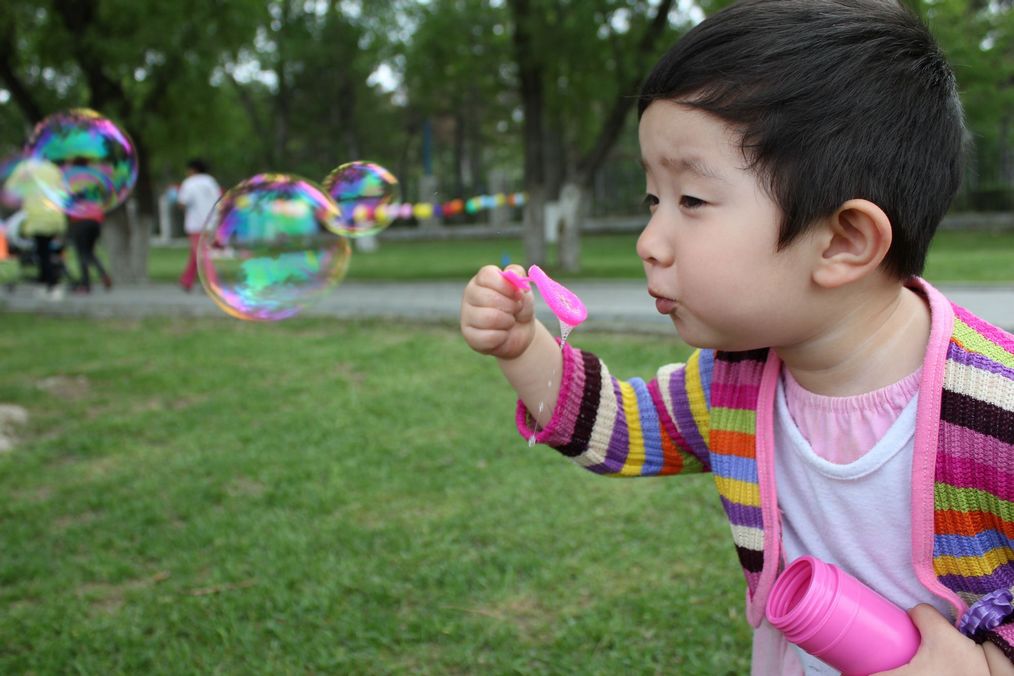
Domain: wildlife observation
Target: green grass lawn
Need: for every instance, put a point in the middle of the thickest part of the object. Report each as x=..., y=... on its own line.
x=955, y=256
x=314, y=496
x=196, y=496
x=969, y=256
x=607, y=256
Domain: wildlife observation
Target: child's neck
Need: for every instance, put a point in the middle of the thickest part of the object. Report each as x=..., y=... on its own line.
x=878, y=337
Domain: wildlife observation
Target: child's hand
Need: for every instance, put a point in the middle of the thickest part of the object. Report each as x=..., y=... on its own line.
x=499, y=320
x=946, y=651
x=496, y=318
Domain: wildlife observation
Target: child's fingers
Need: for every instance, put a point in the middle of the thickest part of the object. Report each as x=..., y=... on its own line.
x=493, y=291
x=491, y=276
x=490, y=318
x=489, y=297
x=496, y=317
x=527, y=309
x=495, y=342
x=942, y=649
x=520, y=271
x=486, y=317
x=484, y=341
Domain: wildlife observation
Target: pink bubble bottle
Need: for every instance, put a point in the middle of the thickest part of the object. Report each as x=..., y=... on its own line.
x=839, y=620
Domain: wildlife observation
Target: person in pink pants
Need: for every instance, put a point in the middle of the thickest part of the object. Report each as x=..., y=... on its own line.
x=197, y=197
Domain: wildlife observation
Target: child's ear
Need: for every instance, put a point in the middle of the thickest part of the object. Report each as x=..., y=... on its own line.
x=853, y=243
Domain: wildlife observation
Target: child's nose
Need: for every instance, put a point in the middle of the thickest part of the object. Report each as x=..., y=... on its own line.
x=651, y=245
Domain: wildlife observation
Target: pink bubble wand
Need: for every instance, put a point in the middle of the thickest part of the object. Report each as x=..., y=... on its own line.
x=564, y=303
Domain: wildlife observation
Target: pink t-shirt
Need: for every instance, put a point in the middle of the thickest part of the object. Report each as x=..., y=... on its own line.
x=842, y=429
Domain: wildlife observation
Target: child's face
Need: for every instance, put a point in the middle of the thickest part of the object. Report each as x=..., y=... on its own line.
x=710, y=248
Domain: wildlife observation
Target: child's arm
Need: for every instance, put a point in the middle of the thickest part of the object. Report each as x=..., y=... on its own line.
x=499, y=320
x=571, y=402
x=945, y=650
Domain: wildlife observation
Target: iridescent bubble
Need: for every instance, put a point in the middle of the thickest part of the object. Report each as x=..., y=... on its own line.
x=8, y=164
x=268, y=251
x=87, y=187
x=97, y=158
x=362, y=191
x=31, y=183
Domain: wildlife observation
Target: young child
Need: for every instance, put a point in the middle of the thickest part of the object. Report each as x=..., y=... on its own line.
x=799, y=155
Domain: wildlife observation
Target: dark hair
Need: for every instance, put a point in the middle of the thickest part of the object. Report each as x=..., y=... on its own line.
x=198, y=165
x=835, y=99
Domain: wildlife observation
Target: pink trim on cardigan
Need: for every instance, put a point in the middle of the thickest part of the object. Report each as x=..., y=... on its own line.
x=924, y=456
x=556, y=427
x=923, y=461
x=764, y=440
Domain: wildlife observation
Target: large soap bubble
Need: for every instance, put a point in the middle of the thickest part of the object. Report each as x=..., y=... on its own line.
x=267, y=251
x=8, y=195
x=97, y=158
x=31, y=184
x=365, y=194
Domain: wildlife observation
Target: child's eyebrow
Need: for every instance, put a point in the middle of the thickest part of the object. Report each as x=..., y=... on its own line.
x=693, y=165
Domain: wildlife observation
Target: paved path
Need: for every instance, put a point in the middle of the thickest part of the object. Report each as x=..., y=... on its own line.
x=612, y=305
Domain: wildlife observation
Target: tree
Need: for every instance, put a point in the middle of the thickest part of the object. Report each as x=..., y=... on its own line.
x=458, y=80
x=117, y=57
x=539, y=89
x=310, y=97
x=978, y=39
x=584, y=61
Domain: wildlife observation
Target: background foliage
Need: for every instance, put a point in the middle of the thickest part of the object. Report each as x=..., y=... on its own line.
x=301, y=85
x=456, y=97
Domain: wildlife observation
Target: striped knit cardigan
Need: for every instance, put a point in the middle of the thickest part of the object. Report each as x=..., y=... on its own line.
x=715, y=413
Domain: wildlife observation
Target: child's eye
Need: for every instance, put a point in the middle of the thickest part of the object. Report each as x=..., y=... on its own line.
x=650, y=201
x=688, y=202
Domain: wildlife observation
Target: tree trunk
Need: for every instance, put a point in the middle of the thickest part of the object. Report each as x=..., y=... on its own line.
x=1006, y=161
x=128, y=229
x=570, y=240
x=530, y=76
x=473, y=143
x=459, y=155
x=126, y=234
x=556, y=166
x=575, y=205
x=282, y=96
x=534, y=229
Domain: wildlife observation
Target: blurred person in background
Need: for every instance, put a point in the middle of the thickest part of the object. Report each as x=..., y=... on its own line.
x=197, y=196
x=83, y=229
x=35, y=182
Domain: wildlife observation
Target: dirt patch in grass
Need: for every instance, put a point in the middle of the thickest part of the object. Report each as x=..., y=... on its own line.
x=66, y=387
x=523, y=612
x=245, y=486
x=106, y=598
x=11, y=416
x=68, y=521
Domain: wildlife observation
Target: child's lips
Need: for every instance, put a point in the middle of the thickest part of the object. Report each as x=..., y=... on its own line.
x=663, y=304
